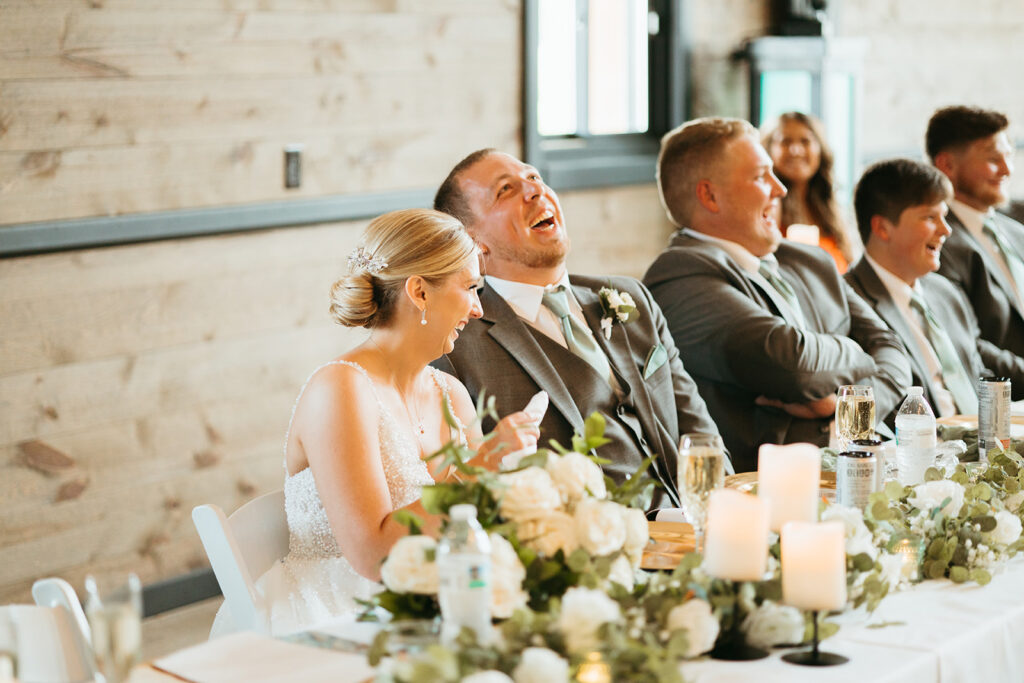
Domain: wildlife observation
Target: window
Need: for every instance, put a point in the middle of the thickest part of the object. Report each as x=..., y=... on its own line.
x=603, y=80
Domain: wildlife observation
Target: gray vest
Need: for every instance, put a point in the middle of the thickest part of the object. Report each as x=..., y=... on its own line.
x=591, y=393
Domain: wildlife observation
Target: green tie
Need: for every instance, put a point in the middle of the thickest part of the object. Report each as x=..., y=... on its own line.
x=577, y=337
x=1010, y=255
x=786, y=291
x=954, y=376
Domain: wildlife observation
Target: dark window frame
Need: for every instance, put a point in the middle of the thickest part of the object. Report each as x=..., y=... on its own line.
x=577, y=162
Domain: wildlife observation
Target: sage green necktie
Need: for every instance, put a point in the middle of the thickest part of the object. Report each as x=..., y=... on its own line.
x=954, y=376
x=577, y=337
x=785, y=290
x=1010, y=255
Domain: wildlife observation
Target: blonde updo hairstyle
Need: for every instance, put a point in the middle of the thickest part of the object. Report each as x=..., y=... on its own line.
x=423, y=242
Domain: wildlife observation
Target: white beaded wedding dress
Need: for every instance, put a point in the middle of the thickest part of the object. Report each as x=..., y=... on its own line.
x=314, y=582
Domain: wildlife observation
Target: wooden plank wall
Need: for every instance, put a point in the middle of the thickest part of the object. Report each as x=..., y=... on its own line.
x=141, y=380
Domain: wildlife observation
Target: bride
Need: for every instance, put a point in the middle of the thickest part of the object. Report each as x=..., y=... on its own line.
x=364, y=421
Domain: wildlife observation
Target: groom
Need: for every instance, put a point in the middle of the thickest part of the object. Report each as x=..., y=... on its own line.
x=542, y=329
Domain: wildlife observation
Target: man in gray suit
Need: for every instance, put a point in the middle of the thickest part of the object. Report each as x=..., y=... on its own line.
x=767, y=328
x=901, y=208
x=983, y=255
x=542, y=329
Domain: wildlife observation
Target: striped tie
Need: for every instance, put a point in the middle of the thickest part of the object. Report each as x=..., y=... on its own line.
x=1010, y=255
x=954, y=376
x=577, y=337
x=785, y=290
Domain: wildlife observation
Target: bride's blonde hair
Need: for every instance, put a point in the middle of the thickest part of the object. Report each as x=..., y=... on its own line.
x=394, y=247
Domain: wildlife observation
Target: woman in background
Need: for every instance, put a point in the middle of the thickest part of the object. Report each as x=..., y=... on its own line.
x=363, y=422
x=803, y=162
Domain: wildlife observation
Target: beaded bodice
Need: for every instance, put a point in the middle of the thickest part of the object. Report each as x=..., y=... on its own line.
x=404, y=470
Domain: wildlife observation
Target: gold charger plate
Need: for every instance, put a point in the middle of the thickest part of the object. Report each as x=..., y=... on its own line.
x=747, y=482
x=971, y=421
x=669, y=542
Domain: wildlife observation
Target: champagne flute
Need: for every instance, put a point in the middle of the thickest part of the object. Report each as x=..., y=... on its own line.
x=114, y=610
x=701, y=470
x=855, y=414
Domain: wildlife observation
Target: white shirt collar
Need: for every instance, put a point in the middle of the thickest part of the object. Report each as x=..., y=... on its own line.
x=972, y=219
x=525, y=299
x=738, y=252
x=900, y=291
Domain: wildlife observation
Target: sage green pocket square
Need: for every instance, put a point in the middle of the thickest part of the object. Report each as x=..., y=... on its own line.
x=656, y=357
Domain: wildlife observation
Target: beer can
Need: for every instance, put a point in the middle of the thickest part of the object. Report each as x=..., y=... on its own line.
x=993, y=414
x=877, y=448
x=856, y=474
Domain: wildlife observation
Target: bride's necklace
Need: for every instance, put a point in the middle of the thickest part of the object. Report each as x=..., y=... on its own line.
x=416, y=424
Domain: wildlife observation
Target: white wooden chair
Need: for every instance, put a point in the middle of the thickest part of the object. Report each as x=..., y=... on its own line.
x=48, y=643
x=56, y=592
x=241, y=548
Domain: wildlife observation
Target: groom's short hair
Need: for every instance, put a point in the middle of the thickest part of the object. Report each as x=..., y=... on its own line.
x=688, y=154
x=450, y=198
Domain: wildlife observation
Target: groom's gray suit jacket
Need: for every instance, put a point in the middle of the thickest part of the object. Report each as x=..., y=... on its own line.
x=954, y=313
x=504, y=357
x=738, y=346
x=968, y=265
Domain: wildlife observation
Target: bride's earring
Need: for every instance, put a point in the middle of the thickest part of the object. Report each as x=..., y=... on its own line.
x=423, y=318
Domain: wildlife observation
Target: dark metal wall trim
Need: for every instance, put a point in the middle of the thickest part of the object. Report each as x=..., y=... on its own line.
x=29, y=238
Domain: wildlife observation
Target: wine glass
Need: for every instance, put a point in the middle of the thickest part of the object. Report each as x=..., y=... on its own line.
x=114, y=610
x=701, y=470
x=855, y=414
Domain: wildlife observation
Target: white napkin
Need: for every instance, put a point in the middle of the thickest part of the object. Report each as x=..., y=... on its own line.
x=537, y=406
x=255, y=658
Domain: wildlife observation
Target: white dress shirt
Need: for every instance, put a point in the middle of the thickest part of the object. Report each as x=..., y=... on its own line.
x=527, y=302
x=974, y=221
x=901, y=292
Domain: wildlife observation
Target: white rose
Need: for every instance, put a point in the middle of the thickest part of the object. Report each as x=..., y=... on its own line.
x=600, y=527
x=547, y=535
x=930, y=495
x=773, y=624
x=407, y=570
x=487, y=677
x=1007, y=529
x=858, y=538
x=627, y=299
x=621, y=572
x=614, y=299
x=701, y=626
x=528, y=494
x=637, y=534
x=1014, y=500
x=574, y=474
x=584, y=611
x=507, y=574
x=892, y=569
x=540, y=665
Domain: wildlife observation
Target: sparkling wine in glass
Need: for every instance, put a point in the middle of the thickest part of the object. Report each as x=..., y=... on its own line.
x=855, y=414
x=114, y=610
x=701, y=470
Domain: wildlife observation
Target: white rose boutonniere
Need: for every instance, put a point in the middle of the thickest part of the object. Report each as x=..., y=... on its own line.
x=618, y=307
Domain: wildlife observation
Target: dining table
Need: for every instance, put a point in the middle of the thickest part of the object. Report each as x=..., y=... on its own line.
x=932, y=632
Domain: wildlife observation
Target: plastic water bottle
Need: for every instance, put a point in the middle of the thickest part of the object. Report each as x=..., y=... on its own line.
x=915, y=437
x=464, y=568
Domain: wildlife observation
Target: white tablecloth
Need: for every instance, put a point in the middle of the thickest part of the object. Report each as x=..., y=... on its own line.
x=947, y=633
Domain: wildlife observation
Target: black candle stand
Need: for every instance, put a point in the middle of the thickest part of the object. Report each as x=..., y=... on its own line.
x=814, y=656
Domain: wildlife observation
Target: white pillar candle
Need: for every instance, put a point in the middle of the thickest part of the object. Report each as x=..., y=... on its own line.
x=736, y=540
x=804, y=234
x=814, y=565
x=788, y=477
